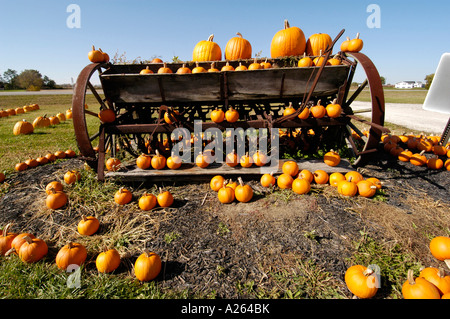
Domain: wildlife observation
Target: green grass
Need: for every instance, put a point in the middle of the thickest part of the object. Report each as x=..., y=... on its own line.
x=392, y=95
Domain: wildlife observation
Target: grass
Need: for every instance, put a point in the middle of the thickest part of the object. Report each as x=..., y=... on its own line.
x=297, y=278
x=392, y=95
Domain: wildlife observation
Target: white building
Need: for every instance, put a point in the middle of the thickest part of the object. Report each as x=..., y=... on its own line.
x=409, y=85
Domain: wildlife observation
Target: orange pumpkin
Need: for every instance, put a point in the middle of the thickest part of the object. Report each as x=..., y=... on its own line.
x=440, y=248
x=113, y=164
x=164, y=69
x=207, y=50
x=23, y=127
x=318, y=111
x=216, y=182
x=361, y=281
x=95, y=56
x=88, y=226
x=290, y=41
x=354, y=177
x=32, y=250
x=144, y=161
x=158, y=161
x=335, y=178
x=147, y=266
x=301, y=186
x=260, y=159
x=71, y=254
x=107, y=261
x=107, y=115
x=202, y=160
x=71, y=177
x=17, y=242
x=284, y=181
x=6, y=239
x=305, y=61
x=318, y=42
x=332, y=158
x=238, y=48
x=333, y=110
x=217, y=115
x=174, y=162
x=241, y=67
x=56, y=199
x=304, y=114
x=268, y=180
x=164, y=198
x=419, y=288
x=344, y=45
x=243, y=192
x=321, y=177
x=438, y=278
x=232, y=159
x=255, y=65
x=225, y=194
x=227, y=67
x=290, y=168
x=146, y=71
x=246, y=160
x=231, y=115
x=347, y=188
x=418, y=159
x=147, y=201
x=435, y=163
x=355, y=45
x=123, y=196
x=366, y=189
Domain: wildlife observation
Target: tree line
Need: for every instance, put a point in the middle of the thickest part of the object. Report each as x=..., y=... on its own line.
x=30, y=80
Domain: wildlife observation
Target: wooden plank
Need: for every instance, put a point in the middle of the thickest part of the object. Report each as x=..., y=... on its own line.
x=190, y=172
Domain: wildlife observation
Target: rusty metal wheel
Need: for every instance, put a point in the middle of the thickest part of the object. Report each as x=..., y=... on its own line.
x=367, y=146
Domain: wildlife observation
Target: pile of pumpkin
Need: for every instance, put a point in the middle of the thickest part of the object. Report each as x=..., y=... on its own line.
x=419, y=150
x=42, y=160
x=19, y=110
x=289, y=41
x=31, y=249
x=432, y=282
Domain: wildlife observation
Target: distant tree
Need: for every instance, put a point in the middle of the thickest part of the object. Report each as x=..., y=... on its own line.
x=429, y=79
x=48, y=83
x=383, y=80
x=30, y=80
x=10, y=79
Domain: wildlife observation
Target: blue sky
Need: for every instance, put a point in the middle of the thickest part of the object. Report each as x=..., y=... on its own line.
x=34, y=34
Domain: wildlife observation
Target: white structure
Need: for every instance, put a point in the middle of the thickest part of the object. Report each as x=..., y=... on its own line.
x=409, y=85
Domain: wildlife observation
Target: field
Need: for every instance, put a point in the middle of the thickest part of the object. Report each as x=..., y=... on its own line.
x=278, y=246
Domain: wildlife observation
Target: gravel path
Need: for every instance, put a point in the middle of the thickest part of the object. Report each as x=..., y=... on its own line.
x=412, y=116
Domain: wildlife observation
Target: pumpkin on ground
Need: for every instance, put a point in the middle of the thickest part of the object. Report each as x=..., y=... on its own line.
x=107, y=261
x=440, y=248
x=332, y=158
x=268, y=180
x=17, y=242
x=226, y=194
x=147, y=266
x=147, y=201
x=361, y=281
x=419, y=288
x=55, y=185
x=284, y=181
x=56, y=199
x=335, y=178
x=290, y=41
x=71, y=177
x=32, y=250
x=290, y=167
x=216, y=182
x=347, y=188
x=23, y=127
x=164, y=198
x=123, y=196
x=301, y=186
x=6, y=239
x=243, y=192
x=438, y=278
x=366, y=188
x=88, y=226
x=71, y=254
x=321, y=177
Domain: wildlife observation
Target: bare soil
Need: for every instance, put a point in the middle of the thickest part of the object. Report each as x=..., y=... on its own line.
x=210, y=248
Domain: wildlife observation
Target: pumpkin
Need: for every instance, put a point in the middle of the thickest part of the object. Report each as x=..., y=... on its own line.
x=216, y=182
x=55, y=185
x=31, y=162
x=146, y=71
x=123, y=196
x=438, y=278
x=213, y=68
x=107, y=115
x=396, y=150
x=113, y=164
x=318, y=111
x=147, y=266
x=241, y=67
x=71, y=254
x=70, y=153
x=447, y=164
x=60, y=155
x=41, y=121
x=361, y=281
x=304, y=114
x=143, y=161
x=217, y=115
x=50, y=156
x=418, y=159
x=318, y=42
x=17, y=242
x=290, y=167
x=333, y=110
x=320, y=177
x=440, y=248
x=335, y=178
x=164, y=69
x=246, y=160
x=266, y=65
x=107, y=261
x=232, y=184
x=355, y=45
x=21, y=166
x=71, y=177
x=366, y=189
x=301, y=186
x=157, y=60
x=305, y=62
x=56, y=199
x=238, y=48
x=207, y=50
x=183, y=69
x=446, y=296
x=232, y=159
x=424, y=145
x=23, y=127
x=164, y=198
x=61, y=117
x=439, y=150
x=243, y=192
x=435, y=163
x=376, y=182
x=202, y=160
x=32, y=249
x=2, y=177
x=268, y=180
x=284, y=181
x=54, y=120
x=6, y=239
x=158, y=161
x=226, y=194
x=147, y=201
x=320, y=60
x=289, y=110
x=255, y=65
x=354, y=176
x=231, y=115
x=344, y=45
x=88, y=226
x=173, y=162
x=347, y=188
x=19, y=110
x=227, y=67
x=198, y=68
x=95, y=56
x=419, y=288
x=332, y=158
x=405, y=155
x=260, y=159
x=334, y=60
x=171, y=116
x=290, y=41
